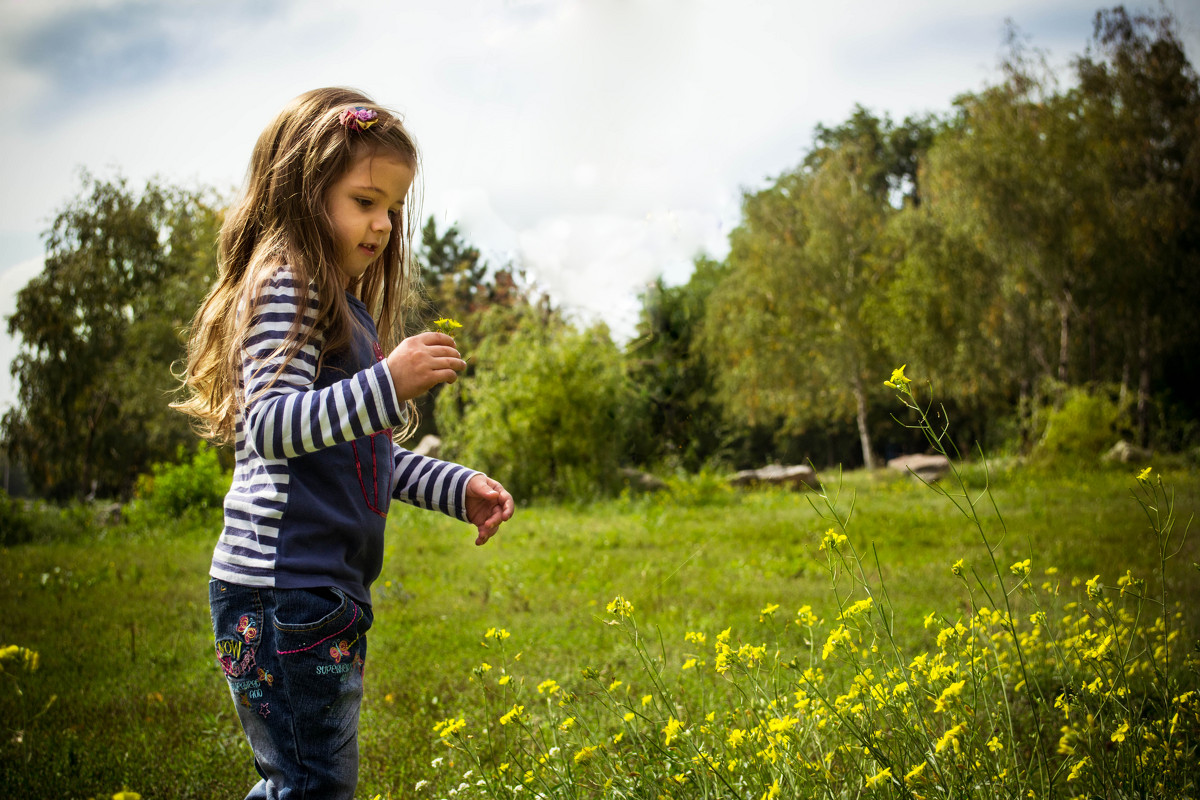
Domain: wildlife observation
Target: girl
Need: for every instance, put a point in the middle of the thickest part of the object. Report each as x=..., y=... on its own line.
x=286, y=363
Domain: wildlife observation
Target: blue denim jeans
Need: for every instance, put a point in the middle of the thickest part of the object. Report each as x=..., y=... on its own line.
x=294, y=661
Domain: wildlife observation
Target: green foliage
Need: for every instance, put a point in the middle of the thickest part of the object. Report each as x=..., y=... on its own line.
x=544, y=411
x=1082, y=428
x=25, y=521
x=171, y=491
x=100, y=329
x=677, y=419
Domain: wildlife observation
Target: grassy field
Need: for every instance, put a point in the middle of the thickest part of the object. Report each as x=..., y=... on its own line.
x=122, y=630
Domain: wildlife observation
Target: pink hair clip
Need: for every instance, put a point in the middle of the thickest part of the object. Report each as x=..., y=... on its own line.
x=359, y=118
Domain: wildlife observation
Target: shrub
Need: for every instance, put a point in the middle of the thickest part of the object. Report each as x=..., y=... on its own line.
x=171, y=491
x=1081, y=428
x=544, y=412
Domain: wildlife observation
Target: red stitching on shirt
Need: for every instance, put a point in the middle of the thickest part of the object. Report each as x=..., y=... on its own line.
x=373, y=505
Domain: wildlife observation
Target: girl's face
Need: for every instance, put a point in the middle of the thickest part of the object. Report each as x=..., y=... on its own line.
x=364, y=204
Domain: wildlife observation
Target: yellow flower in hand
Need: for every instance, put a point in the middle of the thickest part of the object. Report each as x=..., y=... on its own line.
x=446, y=325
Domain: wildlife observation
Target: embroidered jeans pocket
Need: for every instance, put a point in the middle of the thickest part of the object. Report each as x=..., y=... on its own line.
x=324, y=622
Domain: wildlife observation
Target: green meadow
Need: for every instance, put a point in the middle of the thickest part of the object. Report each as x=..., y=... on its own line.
x=127, y=696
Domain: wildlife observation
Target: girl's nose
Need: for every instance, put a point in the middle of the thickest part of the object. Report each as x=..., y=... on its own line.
x=382, y=223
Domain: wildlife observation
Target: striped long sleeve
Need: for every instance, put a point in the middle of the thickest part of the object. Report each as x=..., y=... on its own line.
x=315, y=466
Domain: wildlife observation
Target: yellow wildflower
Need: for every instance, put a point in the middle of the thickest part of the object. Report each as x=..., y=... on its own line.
x=612, y=687
x=995, y=745
x=695, y=638
x=1095, y=588
x=1078, y=768
x=949, y=693
x=513, y=713
x=448, y=727
x=504, y=679
x=1119, y=734
x=672, y=730
x=736, y=737
x=567, y=724
x=586, y=753
x=898, y=381
x=858, y=608
x=883, y=775
x=772, y=792
x=691, y=662
x=548, y=686
x=950, y=738
x=915, y=772
x=620, y=606
x=646, y=699
x=957, y=567
x=768, y=611
x=446, y=325
x=629, y=715
x=1144, y=475
x=832, y=540
x=499, y=634
x=1022, y=568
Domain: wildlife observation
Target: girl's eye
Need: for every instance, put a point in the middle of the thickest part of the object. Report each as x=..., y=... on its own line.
x=364, y=202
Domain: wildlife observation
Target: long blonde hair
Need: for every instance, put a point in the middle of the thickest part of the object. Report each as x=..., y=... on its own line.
x=280, y=219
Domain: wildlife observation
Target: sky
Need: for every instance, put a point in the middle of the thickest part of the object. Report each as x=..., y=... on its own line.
x=597, y=144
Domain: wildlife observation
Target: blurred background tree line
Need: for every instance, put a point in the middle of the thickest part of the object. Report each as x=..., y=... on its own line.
x=1033, y=251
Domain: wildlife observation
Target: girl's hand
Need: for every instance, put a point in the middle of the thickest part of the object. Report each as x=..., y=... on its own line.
x=488, y=505
x=423, y=361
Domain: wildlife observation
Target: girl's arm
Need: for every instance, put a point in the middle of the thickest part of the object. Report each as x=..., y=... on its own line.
x=459, y=492
x=285, y=417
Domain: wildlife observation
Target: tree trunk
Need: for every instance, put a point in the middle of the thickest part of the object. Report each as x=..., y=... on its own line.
x=1064, y=334
x=864, y=434
x=1143, y=394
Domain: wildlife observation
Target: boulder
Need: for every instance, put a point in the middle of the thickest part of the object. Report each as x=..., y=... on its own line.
x=642, y=481
x=796, y=476
x=428, y=446
x=929, y=468
x=1124, y=452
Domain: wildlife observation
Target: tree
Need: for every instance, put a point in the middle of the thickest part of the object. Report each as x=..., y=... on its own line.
x=680, y=419
x=795, y=326
x=100, y=329
x=1140, y=102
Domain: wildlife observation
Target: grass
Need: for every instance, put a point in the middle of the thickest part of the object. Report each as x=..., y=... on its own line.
x=121, y=624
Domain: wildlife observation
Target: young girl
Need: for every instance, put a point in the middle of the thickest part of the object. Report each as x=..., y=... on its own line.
x=285, y=362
